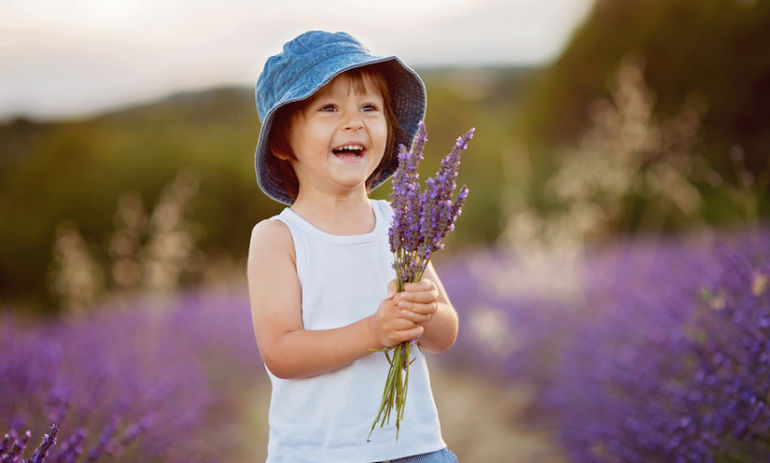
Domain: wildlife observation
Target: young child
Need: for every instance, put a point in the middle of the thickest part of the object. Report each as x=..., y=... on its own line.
x=321, y=283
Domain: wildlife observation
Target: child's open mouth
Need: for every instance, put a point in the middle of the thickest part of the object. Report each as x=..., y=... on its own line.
x=352, y=151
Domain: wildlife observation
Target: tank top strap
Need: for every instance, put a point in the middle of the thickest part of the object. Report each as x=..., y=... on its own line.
x=385, y=212
x=296, y=228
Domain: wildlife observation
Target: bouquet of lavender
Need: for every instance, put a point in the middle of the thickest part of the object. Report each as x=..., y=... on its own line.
x=421, y=220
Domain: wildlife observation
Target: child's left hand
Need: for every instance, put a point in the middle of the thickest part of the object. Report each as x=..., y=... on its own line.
x=419, y=301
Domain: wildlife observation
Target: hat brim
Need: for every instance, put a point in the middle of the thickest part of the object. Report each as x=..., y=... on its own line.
x=407, y=99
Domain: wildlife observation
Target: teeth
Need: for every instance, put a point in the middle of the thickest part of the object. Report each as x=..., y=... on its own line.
x=355, y=148
x=350, y=147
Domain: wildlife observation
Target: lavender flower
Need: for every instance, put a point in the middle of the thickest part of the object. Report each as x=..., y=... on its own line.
x=132, y=366
x=71, y=449
x=663, y=356
x=105, y=443
x=421, y=220
x=48, y=441
x=679, y=373
x=15, y=446
x=5, y=444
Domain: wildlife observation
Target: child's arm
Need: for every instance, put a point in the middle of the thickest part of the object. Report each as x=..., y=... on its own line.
x=426, y=303
x=289, y=350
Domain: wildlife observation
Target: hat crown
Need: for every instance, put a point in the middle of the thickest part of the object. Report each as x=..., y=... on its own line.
x=281, y=71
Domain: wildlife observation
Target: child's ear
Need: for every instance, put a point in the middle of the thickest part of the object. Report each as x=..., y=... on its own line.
x=280, y=155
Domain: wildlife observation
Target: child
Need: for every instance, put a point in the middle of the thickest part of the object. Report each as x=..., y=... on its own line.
x=321, y=284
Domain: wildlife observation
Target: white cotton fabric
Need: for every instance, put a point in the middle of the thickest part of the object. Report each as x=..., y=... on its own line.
x=327, y=418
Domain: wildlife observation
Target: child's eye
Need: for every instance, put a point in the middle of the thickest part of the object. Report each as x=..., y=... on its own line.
x=328, y=108
x=369, y=107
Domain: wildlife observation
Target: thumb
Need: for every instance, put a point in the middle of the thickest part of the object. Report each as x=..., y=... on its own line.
x=392, y=286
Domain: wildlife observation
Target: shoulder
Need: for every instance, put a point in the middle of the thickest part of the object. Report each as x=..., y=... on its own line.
x=270, y=241
x=270, y=230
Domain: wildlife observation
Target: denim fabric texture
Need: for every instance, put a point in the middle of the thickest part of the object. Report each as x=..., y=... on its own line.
x=440, y=456
x=309, y=62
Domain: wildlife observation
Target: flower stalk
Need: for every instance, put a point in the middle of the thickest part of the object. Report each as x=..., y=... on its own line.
x=421, y=220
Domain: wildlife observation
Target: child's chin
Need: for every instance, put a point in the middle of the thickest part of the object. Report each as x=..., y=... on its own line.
x=351, y=183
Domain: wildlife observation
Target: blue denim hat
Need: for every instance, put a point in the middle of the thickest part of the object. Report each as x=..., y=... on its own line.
x=306, y=64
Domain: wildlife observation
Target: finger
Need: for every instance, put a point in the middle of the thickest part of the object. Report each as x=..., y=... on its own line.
x=425, y=309
x=414, y=333
x=403, y=323
x=422, y=285
x=429, y=307
x=399, y=324
x=421, y=296
x=415, y=317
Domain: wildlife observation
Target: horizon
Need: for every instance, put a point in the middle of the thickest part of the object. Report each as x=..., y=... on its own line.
x=9, y=119
x=86, y=57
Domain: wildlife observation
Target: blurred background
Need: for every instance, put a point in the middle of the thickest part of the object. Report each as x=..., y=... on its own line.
x=618, y=212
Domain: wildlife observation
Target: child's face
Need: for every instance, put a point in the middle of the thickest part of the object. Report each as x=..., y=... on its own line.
x=338, y=137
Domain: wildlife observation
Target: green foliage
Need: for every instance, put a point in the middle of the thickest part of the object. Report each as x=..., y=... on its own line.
x=485, y=99
x=714, y=50
x=77, y=171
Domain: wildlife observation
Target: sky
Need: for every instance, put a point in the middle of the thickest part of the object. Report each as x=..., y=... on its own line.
x=79, y=57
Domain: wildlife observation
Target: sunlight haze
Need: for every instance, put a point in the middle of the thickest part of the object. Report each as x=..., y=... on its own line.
x=77, y=58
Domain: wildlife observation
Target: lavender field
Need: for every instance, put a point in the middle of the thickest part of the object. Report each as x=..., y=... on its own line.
x=633, y=351
x=611, y=268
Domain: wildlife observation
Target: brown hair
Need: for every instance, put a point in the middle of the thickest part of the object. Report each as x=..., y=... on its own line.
x=278, y=138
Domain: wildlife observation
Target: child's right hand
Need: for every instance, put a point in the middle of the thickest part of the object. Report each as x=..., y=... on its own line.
x=389, y=326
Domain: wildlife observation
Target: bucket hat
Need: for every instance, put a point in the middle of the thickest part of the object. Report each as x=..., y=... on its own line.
x=306, y=64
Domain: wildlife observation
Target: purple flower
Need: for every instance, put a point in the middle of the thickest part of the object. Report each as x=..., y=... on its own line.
x=14, y=446
x=421, y=220
x=663, y=357
x=48, y=441
x=125, y=369
x=71, y=449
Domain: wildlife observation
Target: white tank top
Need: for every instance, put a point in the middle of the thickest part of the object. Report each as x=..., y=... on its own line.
x=327, y=418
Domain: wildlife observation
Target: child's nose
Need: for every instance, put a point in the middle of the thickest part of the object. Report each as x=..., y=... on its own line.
x=354, y=122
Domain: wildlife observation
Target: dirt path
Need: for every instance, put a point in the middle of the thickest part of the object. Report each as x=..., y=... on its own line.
x=481, y=422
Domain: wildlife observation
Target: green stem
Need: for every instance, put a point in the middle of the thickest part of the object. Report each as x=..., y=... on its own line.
x=396, y=383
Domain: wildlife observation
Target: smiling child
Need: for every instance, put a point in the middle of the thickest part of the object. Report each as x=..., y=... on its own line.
x=320, y=274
